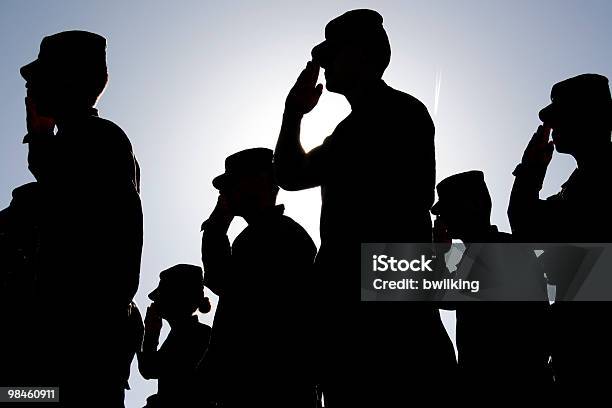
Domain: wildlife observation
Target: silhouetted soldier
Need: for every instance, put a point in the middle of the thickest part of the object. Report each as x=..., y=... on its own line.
x=18, y=301
x=501, y=340
x=580, y=117
x=377, y=176
x=88, y=220
x=260, y=346
x=179, y=294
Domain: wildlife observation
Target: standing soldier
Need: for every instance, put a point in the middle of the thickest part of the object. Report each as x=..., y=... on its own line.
x=377, y=175
x=501, y=330
x=260, y=345
x=88, y=220
x=179, y=295
x=580, y=117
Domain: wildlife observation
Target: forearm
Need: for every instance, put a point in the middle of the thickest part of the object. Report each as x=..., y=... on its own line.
x=216, y=254
x=289, y=155
x=525, y=203
x=148, y=363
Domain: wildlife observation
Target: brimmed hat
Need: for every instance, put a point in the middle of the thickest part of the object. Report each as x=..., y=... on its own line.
x=72, y=54
x=459, y=186
x=245, y=162
x=583, y=93
x=179, y=279
x=363, y=27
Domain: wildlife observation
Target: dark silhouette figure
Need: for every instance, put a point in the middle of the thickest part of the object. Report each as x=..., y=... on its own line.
x=580, y=117
x=18, y=247
x=179, y=294
x=260, y=346
x=79, y=226
x=377, y=176
x=501, y=344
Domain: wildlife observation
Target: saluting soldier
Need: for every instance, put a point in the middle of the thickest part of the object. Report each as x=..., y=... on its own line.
x=179, y=295
x=88, y=219
x=377, y=176
x=580, y=117
x=260, y=351
x=501, y=330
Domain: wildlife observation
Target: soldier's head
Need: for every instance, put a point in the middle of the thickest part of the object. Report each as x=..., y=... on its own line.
x=180, y=292
x=464, y=203
x=248, y=183
x=580, y=114
x=356, y=50
x=69, y=74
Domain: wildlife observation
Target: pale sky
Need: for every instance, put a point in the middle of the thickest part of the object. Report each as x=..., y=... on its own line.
x=193, y=81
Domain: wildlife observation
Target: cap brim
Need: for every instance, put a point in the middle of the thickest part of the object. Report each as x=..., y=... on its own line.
x=547, y=113
x=220, y=181
x=27, y=70
x=154, y=296
x=320, y=53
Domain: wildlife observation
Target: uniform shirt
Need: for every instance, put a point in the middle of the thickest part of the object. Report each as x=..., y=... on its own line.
x=89, y=247
x=502, y=339
x=377, y=178
x=377, y=172
x=175, y=363
x=91, y=211
x=262, y=324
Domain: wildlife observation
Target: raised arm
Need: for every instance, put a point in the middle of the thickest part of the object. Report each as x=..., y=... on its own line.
x=148, y=357
x=528, y=214
x=216, y=250
x=293, y=167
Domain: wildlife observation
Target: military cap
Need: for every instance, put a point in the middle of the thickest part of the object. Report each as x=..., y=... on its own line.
x=582, y=93
x=179, y=279
x=71, y=54
x=461, y=186
x=245, y=162
x=363, y=27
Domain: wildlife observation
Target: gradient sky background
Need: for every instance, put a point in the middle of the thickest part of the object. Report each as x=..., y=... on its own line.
x=193, y=81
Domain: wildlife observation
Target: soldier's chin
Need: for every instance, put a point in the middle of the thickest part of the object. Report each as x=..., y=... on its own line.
x=560, y=147
x=332, y=86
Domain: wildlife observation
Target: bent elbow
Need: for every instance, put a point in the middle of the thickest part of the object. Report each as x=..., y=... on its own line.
x=285, y=178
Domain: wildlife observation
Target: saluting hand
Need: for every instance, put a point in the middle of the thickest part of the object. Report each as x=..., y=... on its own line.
x=539, y=151
x=153, y=320
x=305, y=94
x=35, y=123
x=222, y=214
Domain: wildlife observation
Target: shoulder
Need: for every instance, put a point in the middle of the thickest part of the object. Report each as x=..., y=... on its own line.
x=403, y=109
x=108, y=132
x=295, y=230
x=404, y=100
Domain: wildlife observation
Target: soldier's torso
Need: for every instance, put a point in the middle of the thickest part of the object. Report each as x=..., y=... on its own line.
x=365, y=194
x=584, y=207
